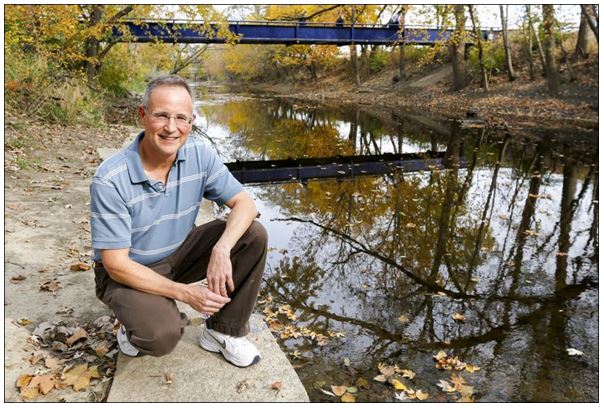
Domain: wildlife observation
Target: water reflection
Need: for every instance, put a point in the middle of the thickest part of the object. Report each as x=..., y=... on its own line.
x=510, y=242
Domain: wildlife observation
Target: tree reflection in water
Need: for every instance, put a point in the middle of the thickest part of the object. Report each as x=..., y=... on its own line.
x=510, y=241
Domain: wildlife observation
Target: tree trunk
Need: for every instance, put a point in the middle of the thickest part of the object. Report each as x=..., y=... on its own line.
x=353, y=54
x=551, y=68
x=457, y=46
x=401, y=56
x=537, y=39
x=506, y=43
x=593, y=23
x=530, y=42
x=91, y=64
x=478, y=38
x=582, y=39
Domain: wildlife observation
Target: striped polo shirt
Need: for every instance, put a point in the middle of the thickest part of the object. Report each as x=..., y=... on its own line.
x=129, y=210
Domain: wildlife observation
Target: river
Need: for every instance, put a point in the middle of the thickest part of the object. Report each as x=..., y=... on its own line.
x=491, y=257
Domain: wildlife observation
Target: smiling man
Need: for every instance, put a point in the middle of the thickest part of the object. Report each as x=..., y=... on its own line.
x=147, y=249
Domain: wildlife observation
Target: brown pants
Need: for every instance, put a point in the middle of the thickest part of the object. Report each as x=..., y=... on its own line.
x=154, y=324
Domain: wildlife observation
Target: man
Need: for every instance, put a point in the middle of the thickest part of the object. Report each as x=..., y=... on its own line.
x=147, y=250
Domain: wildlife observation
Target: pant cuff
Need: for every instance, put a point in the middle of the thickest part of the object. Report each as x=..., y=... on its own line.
x=228, y=329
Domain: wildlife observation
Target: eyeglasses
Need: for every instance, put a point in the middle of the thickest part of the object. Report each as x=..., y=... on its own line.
x=164, y=119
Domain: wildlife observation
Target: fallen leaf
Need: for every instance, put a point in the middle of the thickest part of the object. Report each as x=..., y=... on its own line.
x=352, y=390
x=29, y=392
x=348, y=398
x=386, y=370
x=421, y=395
x=574, y=352
x=101, y=350
x=51, y=286
x=399, y=386
x=78, y=377
x=18, y=278
x=317, y=385
x=51, y=363
x=277, y=385
x=458, y=381
x=24, y=321
x=24, y=380
x=77, y=335
x=339, y=390
x=466, y=390
x=33, y=360
x=459, y=317
x=243, y=385
x=466, y=398
x=46, y=383
x=80, y=266
x=168, y=378
x=346, y=361
x=401, y=396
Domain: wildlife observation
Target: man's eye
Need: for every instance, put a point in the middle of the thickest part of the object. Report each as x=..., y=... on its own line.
x=182, y=117
x=162, y=116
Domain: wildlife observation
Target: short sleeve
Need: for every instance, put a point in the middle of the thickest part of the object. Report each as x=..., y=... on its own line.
x=110, y=220
x=221, y=185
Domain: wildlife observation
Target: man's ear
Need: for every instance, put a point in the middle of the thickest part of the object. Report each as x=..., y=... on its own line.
x=141, y=112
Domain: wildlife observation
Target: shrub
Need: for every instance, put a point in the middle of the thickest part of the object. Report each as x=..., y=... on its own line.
x=493, y=55
x=377, y=61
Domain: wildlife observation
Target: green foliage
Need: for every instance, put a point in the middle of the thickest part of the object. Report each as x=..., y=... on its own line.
x=493, y=55
x=377, y=61
x=74, y=103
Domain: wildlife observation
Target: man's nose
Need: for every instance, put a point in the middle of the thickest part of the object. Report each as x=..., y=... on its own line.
x=171, y=124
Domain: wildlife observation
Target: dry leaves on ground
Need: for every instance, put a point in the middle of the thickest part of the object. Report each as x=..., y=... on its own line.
x=72, y=355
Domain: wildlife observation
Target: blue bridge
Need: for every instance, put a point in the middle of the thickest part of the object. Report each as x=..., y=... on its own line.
x=289, y=33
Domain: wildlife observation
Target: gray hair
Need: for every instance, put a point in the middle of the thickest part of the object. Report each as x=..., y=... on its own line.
x=161, y=80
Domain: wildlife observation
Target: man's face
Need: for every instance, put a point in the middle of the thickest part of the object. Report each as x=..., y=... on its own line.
x=166, y=120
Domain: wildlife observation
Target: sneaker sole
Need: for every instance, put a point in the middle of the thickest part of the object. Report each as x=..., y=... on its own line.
x=211, y=346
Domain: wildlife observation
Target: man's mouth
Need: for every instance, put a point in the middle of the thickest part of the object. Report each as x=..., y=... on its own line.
x=169, y=138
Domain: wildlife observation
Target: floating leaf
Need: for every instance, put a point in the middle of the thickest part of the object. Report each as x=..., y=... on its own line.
x=458, y=381
x=399, y=386
x=471, y=368
x=386, y=370
x=362, y=383
x=404, y=319
x=352, y=390
x=346, y=361
x=421, y=395
x=348, y=398
x=445, y=386
x=574, y=352
x=466, y=390
x=331, y=394
x=318, y=384
x=440, y=355
x=401, y=396
x=380, y=378
x=407, y=374
x=459, y=317
x=339, y=390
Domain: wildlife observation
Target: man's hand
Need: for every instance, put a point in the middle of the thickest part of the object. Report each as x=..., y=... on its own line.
x=220, y=271
x=205, y=301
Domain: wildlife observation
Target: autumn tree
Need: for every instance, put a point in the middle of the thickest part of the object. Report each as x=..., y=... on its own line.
x=478, y=38
x=551, y=67
x=591, y=16
x=457, y=46
x=506, y=42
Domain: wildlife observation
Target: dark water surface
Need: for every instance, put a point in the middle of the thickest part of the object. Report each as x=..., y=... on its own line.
x=370, y=270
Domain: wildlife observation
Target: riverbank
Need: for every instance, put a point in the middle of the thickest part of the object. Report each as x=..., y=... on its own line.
x=519, y=106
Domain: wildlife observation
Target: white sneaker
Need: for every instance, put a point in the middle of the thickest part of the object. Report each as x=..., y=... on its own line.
x=125, y=346
x=236, y=350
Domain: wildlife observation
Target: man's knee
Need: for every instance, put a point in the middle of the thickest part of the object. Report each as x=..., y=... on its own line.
x=258, y=234
x=158, y=340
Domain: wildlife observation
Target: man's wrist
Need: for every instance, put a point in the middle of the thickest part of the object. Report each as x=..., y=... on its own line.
x=222, y=248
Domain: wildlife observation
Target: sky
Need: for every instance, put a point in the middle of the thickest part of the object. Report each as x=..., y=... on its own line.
x=487, y=14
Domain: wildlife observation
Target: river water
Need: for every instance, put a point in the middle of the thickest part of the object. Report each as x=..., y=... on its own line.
x=492, y=259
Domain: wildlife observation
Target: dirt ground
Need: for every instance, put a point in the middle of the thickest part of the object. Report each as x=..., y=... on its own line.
x=47, y=171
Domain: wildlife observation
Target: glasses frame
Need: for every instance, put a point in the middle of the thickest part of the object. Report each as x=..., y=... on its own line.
x=164, y=118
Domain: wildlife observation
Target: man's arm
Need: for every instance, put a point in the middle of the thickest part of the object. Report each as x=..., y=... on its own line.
x=137, y=276
x=220, y=272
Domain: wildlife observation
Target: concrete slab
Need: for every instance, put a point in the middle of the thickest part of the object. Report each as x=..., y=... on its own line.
x=201, y=376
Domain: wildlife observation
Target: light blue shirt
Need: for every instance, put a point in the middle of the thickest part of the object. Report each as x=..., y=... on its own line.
x=128, y=210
